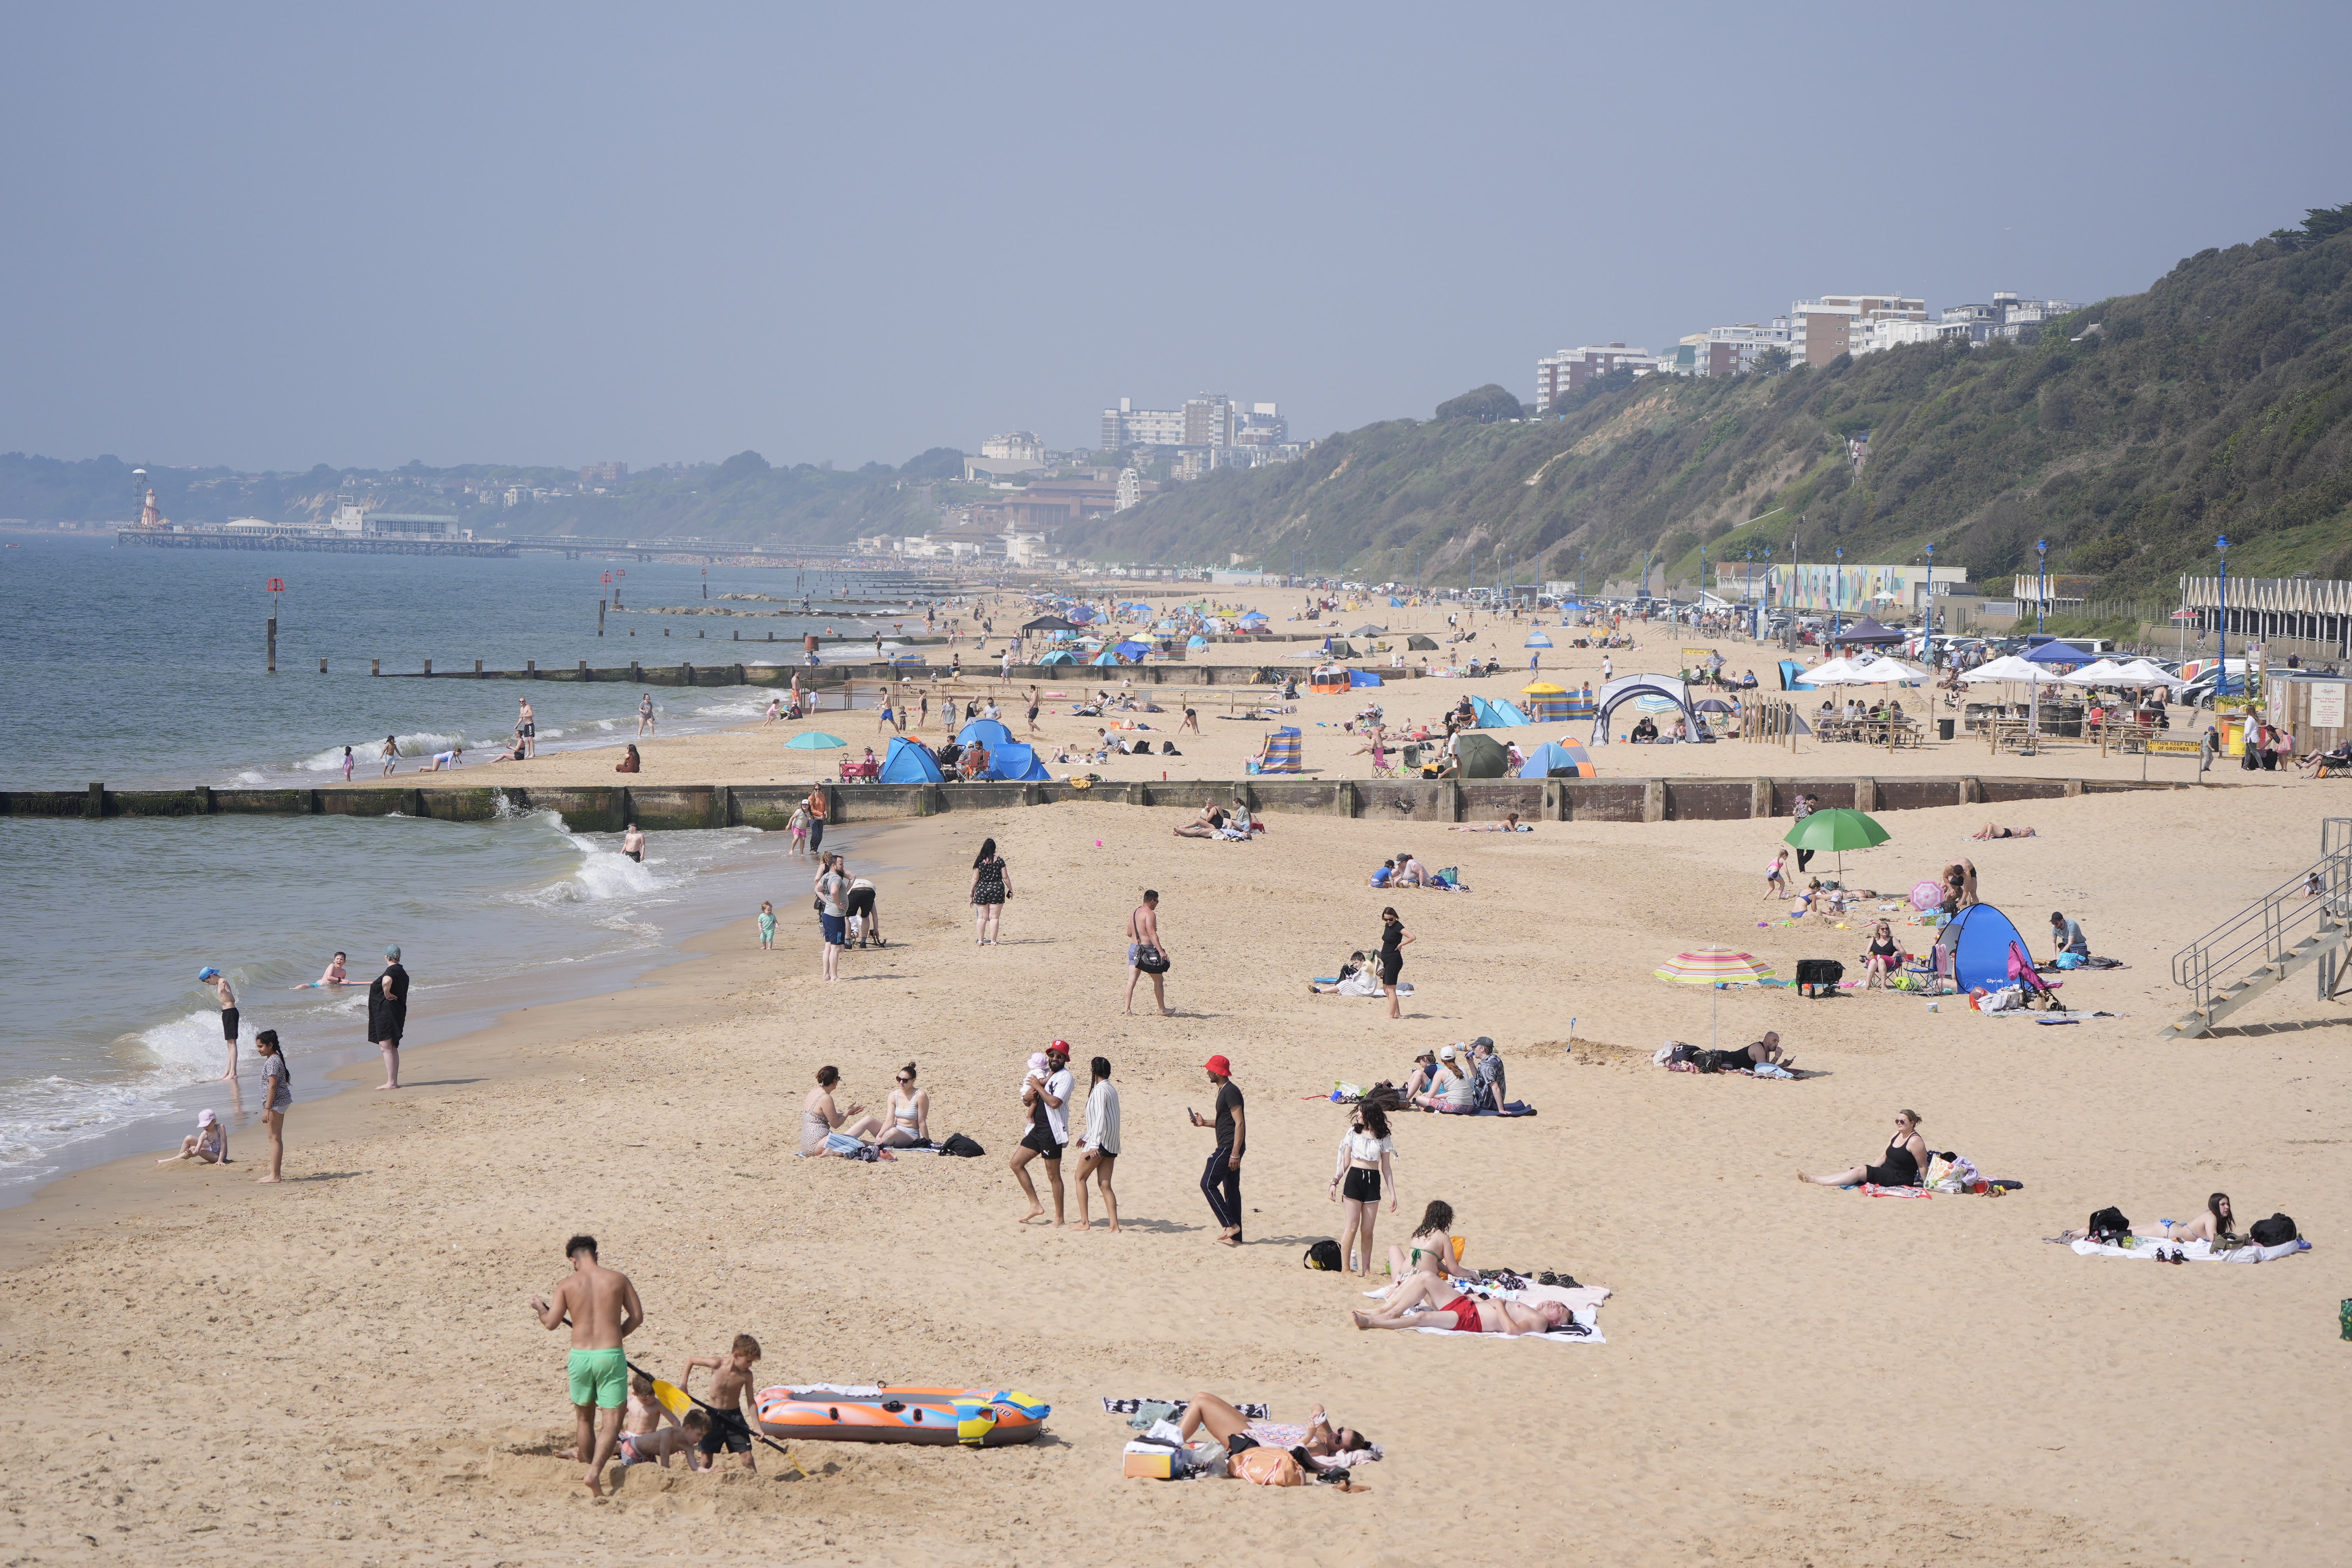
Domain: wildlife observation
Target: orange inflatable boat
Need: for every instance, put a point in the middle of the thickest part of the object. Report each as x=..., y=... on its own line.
x=977, y=1417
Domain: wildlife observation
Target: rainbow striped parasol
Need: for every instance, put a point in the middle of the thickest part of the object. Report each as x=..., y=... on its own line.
x=1714, y=968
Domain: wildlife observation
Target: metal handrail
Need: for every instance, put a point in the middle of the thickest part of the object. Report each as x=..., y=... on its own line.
x=2264, y=931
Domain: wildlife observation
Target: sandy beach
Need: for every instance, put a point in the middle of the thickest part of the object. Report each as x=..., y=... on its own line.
x=345, y=1366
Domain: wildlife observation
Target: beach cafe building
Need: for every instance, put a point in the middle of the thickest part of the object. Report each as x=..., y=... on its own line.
x=2273, y=609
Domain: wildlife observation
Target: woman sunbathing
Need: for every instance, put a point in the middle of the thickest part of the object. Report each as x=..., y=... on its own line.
x=1430, y=1251
x=1883, y=954
x=1424, y=1301
x=1994, y=830
x=1231, y=1428
x=1907, y=1159
x=1351, y=981
x=2218, y=1221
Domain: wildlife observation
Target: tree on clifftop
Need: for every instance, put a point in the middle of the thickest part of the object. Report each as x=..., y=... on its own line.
x=741, y=466
x=1486, y=404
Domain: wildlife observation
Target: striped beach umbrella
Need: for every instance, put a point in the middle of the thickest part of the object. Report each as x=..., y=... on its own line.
x=1714, y=968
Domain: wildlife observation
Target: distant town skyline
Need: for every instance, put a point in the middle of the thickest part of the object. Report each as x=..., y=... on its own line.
x=264, y=239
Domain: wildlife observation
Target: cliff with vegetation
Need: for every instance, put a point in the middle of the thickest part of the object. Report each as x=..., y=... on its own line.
x=2132, y=433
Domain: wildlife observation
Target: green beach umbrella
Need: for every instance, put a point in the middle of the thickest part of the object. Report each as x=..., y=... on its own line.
x=1840, y=829
x=818, y=741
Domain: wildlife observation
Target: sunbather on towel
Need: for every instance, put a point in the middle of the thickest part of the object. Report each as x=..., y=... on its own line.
x=1426, y=1302
x=1766, y=1051
x=1231, y=1428
x=1906, y=1159
x=1351, y=981
x=1994, y=830
x=2218, y=1221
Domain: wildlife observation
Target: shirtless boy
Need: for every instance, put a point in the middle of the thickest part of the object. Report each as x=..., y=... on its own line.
x=602, y=1309
x=735, y=1416
x=637, y=1447
x=228, y=1014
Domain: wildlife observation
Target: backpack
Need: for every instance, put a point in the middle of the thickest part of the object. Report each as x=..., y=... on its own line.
x=2276, y=1231
x=958, y=1143
x=2109, y=1225
x=1325, y=1255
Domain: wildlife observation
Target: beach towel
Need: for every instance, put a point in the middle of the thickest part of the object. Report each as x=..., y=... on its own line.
x=1175, y=1408
x=1583, y=1302
x=1873, y=1190
x=2194, y=1251
x=1287, y=1434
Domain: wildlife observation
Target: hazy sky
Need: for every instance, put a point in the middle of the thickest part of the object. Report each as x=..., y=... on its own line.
x=273, y=236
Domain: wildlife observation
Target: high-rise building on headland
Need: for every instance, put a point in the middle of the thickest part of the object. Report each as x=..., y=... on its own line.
x=1260, y=425
x=1209, y=420
x=1128, y=426
x=604, y=473
x=1822, y=329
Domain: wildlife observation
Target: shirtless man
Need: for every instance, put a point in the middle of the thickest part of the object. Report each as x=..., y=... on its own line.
x=633, y=844
x=733, y=1417
x=602, y=1309
x=526, y=730
x=1143, y=930
x=228, y=1015
x=1469, y=1314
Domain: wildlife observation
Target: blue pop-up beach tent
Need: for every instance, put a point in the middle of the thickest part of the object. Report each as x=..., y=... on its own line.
x=1554, y=760
x=1014, y=761
x=1496, y=715
x=987, y=731
x=1792, y=677
x=1105, y=658
x=1132, y=649
x=910, y=762
x=1059, y=658
x=1980, y=942
x=1363, y=677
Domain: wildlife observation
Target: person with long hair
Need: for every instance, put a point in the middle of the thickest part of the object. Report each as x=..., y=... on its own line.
x=2218, y=1221
x=1099, y=1145
x=1882, y=955
x=1904, y=1163
x=1430, y=1250
x=1367, y=1165
x=991, y=887
x=832, y=890
x=1394, y=940
x=276, y=1098
x=910, y=1112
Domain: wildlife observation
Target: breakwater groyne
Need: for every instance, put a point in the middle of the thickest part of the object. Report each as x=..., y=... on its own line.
x=608, y=808
x=824, y=676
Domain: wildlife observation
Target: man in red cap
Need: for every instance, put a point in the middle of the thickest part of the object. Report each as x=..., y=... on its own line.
x=1049, y=1130
x=1221, y=1183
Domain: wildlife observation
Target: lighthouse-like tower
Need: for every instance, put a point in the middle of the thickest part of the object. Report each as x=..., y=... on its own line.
x=148, y=516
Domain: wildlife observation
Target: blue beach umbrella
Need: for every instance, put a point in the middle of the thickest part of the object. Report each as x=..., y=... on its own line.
x=813, y=741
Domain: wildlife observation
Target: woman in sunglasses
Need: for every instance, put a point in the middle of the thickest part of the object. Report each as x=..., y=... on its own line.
x=910, y=1112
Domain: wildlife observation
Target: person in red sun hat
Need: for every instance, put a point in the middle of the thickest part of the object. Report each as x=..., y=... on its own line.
x=1221, y=1181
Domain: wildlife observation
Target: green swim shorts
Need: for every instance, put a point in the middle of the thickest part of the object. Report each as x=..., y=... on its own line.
x=600, y=1378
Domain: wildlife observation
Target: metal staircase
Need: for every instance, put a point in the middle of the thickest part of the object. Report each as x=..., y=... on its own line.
x=2286, y=931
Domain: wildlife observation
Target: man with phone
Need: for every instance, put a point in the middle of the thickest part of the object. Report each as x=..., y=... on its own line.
x=1221, y=1181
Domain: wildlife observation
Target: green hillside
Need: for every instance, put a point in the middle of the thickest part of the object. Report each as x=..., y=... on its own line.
x=2218, y=401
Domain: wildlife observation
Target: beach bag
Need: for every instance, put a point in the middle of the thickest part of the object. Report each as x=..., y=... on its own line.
x=1266, y=1466
x=2109, y=1225
x=1150, y=960
x=1819, y=977
x=958, y=1143
x=1723, y=1061
x=1324, y=1255
x=2276, y=1231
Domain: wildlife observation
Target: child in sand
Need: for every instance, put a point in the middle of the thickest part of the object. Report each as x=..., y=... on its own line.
x=208, y=1142
x=637, y=1448
x=731, y=1425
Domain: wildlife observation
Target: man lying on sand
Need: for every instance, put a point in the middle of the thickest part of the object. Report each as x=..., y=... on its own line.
x=1425, y=1301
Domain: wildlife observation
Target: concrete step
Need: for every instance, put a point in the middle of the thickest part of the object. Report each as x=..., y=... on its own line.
x=2305, y=952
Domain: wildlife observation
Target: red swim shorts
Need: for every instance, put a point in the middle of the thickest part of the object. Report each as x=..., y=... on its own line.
x=1466, y=1314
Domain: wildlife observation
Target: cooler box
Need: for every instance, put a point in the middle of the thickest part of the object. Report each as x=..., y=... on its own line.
x=1149, y=1461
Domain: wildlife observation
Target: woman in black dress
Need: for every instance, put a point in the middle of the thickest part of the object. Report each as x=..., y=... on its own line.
x=1905, y=1160
x=1395, y=939
x=990, y=888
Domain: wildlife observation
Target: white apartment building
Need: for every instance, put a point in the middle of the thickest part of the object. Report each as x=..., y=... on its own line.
x=1732, y=350
x=1559, y=375
x=1128, y=426
x=1259, y=425
x=2006, y=316
x=1129, y=491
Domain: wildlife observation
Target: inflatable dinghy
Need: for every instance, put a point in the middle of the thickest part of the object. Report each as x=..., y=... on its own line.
x=977, y=1417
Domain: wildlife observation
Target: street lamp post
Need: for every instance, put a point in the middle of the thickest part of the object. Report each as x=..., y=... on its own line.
x=2041, y=589
x=1837, y=596
x=1767, y=594
x=2221, y=681
x=1928, y=612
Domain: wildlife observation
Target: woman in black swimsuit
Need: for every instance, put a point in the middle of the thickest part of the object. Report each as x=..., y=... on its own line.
x=1394, y=938
x=1880, y=957
x=1906, y=1158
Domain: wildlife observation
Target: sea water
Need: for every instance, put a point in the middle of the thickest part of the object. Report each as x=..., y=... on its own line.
x=144, y=667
